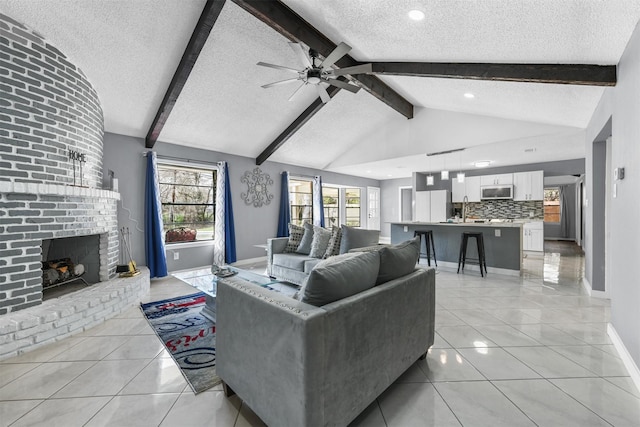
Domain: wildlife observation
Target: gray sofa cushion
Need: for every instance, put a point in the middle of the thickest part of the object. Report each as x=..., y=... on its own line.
x=341, y=276
x=357, y=238
x=295, y=236
x=307, y=239
x=321, y=237
x=310, y=264
x=292, y=261
x=398, y=260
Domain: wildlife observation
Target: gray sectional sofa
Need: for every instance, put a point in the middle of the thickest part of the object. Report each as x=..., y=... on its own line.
x=308, y=364
x=294, y=267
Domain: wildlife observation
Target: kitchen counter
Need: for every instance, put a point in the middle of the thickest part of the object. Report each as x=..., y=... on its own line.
x=467, y=224
x=502, y=243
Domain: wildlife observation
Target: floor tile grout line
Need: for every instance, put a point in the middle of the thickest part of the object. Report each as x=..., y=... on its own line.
x=579, y=402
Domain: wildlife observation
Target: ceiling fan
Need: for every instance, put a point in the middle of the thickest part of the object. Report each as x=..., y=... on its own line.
x=319, y=74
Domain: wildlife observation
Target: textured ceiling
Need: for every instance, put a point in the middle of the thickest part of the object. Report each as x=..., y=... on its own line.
x=129, y=50
x=124, y=48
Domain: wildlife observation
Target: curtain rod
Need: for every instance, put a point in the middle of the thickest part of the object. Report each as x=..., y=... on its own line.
x=299, y=175
x=195, y=162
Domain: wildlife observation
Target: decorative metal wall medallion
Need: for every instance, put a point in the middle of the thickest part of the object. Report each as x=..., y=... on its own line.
x=257, y=188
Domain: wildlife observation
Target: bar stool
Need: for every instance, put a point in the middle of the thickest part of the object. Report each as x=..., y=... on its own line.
x=428, y=240
x=462, y=257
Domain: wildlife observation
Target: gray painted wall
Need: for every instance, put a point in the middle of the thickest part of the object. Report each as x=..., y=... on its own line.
x=552, y=230
x=390, y=203
x=123, y=155
x=622, y=104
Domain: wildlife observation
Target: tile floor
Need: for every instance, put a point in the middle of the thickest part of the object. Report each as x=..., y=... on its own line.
x=509, y=351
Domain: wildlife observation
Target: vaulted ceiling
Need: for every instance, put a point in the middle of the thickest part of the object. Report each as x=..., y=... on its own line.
x=130, y=50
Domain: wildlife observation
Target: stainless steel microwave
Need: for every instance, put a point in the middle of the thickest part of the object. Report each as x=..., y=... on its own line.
x=496, y=192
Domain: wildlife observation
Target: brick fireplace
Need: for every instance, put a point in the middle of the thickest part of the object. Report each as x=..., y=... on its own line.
x=51, y=173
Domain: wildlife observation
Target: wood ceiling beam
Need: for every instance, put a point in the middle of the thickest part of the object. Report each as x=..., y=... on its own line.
x=293, y=127
x=203, y=28
x=573, y=74
x=289, y=24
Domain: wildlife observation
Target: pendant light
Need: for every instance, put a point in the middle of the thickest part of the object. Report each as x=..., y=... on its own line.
x=444, y=174
x=460, y=175
x=430, y=180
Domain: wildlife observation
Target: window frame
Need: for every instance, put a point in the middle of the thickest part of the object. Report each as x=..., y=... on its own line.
x=179, y=165
x=545, y=205
x=305, y=207
x=342, y=205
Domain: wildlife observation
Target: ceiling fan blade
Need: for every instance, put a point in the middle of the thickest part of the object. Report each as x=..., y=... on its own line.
x=324, y=95
x=341, y=50
x=297, y=91
x=357, y=69
x=281, y=82
x=343, y=85
x=299, y=50
x=277, y=67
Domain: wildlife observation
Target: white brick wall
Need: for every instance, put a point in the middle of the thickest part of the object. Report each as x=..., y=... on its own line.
x=61, y=317
x=51, y=211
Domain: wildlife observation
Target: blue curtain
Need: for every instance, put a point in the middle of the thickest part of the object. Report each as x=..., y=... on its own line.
x=154, y=239
x=285, y=213
x=317, y=202
x=229, y=228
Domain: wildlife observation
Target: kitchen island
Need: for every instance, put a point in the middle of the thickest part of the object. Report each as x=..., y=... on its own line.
x=502, y=243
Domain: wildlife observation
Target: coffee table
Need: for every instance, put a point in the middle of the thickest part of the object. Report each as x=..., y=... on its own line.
x=207, y=282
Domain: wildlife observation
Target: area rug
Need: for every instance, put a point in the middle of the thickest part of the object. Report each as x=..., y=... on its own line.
x=189, y=337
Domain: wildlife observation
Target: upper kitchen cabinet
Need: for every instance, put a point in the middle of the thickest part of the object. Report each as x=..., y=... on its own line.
x=470, y=188
x=500, y=179
x=528, y=186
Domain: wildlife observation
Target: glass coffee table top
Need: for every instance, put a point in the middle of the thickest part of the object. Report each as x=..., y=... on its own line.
x=204, y=280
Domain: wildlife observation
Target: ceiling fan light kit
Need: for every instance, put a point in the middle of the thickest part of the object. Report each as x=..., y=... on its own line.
x=319, y=74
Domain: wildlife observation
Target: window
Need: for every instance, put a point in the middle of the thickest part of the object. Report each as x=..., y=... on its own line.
x=552, y=204
x=301, y=200
x=331, y=203
x=188, y=199
x=352, y=197
x=341, y=206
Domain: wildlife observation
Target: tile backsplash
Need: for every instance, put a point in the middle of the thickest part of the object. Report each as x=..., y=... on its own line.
x=506, y=209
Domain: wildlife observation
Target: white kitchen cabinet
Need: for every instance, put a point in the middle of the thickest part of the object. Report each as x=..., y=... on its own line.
x=458, y=190
x=472, y=185
x=499, y=179
x=533, y=236
x=470, y=188
x=528, y=186
x=431, y=206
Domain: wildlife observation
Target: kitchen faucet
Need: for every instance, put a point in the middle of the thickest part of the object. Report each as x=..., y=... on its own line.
x=465, y=200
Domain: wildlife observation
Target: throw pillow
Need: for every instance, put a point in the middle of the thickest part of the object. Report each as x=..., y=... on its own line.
x=357, y=238
x=398, y=260
x=295, y=236
x=307, y=238
x=333, y=248
x=340, y=276
x=321, y=237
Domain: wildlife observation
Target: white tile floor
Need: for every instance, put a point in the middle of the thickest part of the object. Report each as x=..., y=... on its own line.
x=509, y=351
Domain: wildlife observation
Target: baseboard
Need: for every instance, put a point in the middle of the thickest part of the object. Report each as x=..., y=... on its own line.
x=592, y=292
x=628, y=361
x=470, y=267
x=384, y=239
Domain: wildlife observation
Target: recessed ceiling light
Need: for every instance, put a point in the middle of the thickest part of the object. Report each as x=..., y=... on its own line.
x=416, y=15
x=469, y=95
x=482, y=163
